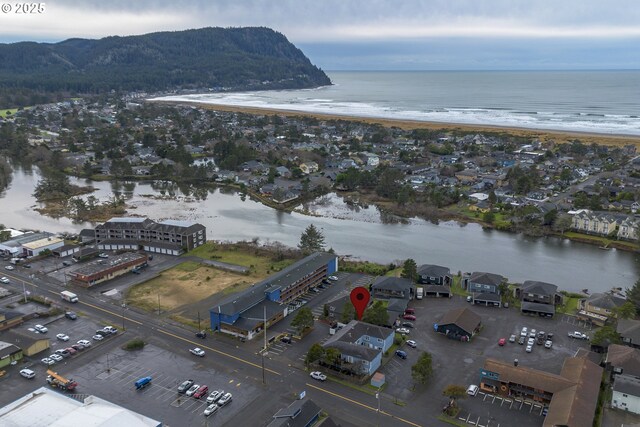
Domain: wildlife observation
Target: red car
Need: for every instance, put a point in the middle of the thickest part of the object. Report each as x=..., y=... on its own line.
x=201, y=392
x=410, y=311
x=409, y=317
x=502, y=341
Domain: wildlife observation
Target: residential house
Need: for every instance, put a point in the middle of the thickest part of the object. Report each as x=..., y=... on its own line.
x=601, y=224
x=629, y=331
x=459, y=324
x=538, y=298
x=485, y=287
x=361, y=346
x=308, y=167
x=300, y=413
x=623, y=360
x=599, y=307
x=466, y=176
x=392, y=287
x=628, y=229
x=626, y=394
x=429, y=274
x=283, y=172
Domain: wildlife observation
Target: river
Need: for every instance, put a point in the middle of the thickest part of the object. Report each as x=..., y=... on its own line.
x=358, y=232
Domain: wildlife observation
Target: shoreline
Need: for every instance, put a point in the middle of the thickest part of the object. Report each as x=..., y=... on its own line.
x=543, y=135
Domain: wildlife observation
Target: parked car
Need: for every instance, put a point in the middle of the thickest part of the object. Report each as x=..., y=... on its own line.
x=412, y=343
x=317, y=375
x=215, y=396
x=407, y=325
x=192, y=390
x=403, y=331
x=78, y=347
x=110, y=330
x=410, y=311
x=522, y=340
x=56, y=357
x=531, y=341
x=71, y=315
x=98, y=337
x=48, y=361
x=472, y=390
x=201, y=392
x=27, y=373
x=63, y=352
x=286, y=339
x=548, y=344
x=529, y=348
x=85, y=343
x=201, y=334
x=225, y=399
x=9, y=267
x=184, y=386
x=4, y=280
x=332, y=278
x=578, y=335
x=197, y=351
x=71, y=351
x=103, y=333
x=41, y=329
x=409, y=317
x=502, y=341
x=401, y=354
x=62, y=337
x=211, y=409
x=512, y=338
x=103, y=255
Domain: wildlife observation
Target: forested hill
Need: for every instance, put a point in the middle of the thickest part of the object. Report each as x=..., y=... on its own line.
x=238, y=58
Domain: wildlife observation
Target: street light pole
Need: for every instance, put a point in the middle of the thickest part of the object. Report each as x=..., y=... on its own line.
x=264, y=350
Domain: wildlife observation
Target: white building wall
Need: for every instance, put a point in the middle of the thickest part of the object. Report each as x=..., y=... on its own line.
x=626, y=402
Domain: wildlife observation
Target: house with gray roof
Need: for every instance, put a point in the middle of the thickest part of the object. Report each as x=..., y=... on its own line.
x=392, y=287
x=459, y=324
x=538, y=298
x=600, y=305
x=485, y=288
x=629, y=330
x=361, y=346
x=626, y=393
x=434, y=275
x=300, y=413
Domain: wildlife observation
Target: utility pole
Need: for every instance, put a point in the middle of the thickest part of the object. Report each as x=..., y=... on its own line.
x=158, y=304
x=199, y=322
x=264, y=350
x=123, y=306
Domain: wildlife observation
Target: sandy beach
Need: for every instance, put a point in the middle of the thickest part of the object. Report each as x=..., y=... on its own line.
x=541, y=134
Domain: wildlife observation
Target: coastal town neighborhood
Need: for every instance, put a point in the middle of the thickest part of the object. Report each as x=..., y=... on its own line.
x=554, y=358
x=507, y=182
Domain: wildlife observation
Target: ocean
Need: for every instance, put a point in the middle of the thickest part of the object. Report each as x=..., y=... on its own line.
x=605, y=102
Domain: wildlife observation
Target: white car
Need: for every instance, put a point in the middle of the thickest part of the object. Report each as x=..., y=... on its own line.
x=56, y=357
x=403, y=331
x=332, y=278
x=472, y=390
x=548, y=344
x=4, y=280
x=213, y=397
x=193, y=389
x=85, y=343
x=103, y=255
x=412, y=343
x=27, y=373
x=48, y=361
x=529, y=348
x=211, y=409
x=110, y=329
x=97, y=337
x=531, y=341
x=197, y=351
x=41, y=329
x=9, y=267
x=578, y=335
x=317, y=375
x=225, y=399
x=63, y=337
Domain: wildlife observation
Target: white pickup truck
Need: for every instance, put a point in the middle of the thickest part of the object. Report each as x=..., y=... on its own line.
x=578, y=335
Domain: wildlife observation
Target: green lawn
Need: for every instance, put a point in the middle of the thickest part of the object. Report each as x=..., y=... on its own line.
x=259, y=264
x=570, y=305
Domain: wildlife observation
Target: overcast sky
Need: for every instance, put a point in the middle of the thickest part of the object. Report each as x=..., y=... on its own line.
x=375, y=34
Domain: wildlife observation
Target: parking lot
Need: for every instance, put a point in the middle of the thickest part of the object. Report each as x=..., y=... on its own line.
x=112, y=376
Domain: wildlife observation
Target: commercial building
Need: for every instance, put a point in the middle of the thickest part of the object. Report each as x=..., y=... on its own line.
x=30, y=343
x=30, y=244
x=459, y=324
x=106, y=269
x=45, y=407
x=9, y=353
x=166, y=237
x=243, y=314
x=571, y=396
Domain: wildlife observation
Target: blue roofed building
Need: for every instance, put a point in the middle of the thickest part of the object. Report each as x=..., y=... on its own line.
x=243, y=314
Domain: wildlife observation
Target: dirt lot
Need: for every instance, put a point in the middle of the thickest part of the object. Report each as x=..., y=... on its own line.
x=185, y=284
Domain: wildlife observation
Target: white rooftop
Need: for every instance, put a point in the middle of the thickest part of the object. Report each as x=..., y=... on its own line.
x=177, y=223
x=127, y=219
x=45, y=407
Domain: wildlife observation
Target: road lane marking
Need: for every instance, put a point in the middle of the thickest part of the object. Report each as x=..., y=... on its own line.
x=108, y=311
x=363, y=405
x=218, y=351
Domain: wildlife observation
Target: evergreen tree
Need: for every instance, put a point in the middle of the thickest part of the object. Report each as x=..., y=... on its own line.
x=315, y=353
x=311, y=240
x=422, y=370
x=348, y=312
x=303, y=320
x=376, y=314
x=633, y=294
x=410, y=270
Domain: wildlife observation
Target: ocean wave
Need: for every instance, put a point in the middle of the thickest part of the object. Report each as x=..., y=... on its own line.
x=552, y=120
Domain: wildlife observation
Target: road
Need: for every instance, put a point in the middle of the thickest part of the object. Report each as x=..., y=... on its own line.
x=347, y=404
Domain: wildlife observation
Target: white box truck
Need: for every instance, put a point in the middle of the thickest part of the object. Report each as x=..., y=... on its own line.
x=69, y=296
x=419, y=293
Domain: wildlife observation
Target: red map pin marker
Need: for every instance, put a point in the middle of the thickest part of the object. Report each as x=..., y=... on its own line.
x=360, y=298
